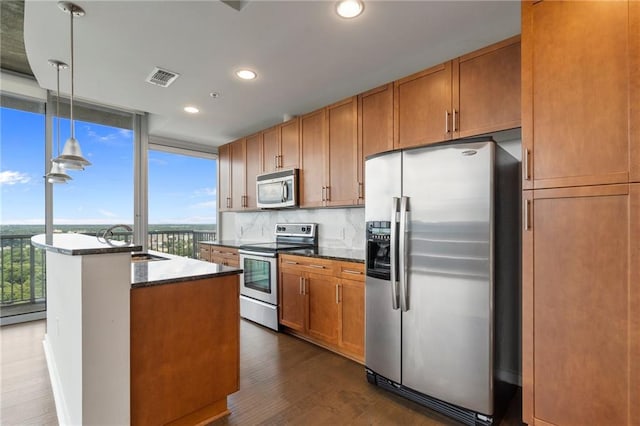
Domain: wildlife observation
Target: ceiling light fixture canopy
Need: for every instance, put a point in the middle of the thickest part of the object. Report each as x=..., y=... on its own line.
x=71, y=157
x=349, y=8
x=246, y=74
x=57, y=174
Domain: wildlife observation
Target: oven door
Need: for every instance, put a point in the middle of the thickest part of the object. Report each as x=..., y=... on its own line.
x=259, y=279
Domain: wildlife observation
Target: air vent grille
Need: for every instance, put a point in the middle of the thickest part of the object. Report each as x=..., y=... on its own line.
x=161, y=77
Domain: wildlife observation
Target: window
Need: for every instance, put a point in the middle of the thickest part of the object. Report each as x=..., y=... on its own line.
x=22, y=206
x=182, y=200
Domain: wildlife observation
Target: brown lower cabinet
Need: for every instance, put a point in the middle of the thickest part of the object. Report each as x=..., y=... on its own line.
x=185, y=351
x=219, y=254
x=581, y=306
x=319, y=304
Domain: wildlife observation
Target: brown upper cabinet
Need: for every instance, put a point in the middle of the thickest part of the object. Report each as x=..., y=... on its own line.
x=224, y=178
x=238, y=178
x=329, y=145
x=312, y=159
x=342, y=185
x=375, y=127
x=281, y=146
x=252, y=169
x=578, y=82
x=487, y=87
x=471, y=95
x=423, y=107
x=239, y=164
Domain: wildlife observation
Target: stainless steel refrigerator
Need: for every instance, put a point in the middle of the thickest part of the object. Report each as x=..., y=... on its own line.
x=442, y=254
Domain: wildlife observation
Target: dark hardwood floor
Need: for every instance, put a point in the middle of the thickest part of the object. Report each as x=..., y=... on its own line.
x=283, y=380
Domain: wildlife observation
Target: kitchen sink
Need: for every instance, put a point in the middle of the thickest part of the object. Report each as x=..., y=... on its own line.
x=146, y=257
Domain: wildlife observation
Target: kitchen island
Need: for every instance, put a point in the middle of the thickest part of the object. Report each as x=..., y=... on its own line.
x=155, y=341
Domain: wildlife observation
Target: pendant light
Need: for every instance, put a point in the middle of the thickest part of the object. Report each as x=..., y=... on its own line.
x=71, y=157
x=57, y=174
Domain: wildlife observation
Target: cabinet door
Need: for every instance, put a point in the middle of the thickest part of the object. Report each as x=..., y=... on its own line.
x=290, y=144
x=487, y=90
x=252, y=169
x=292, y=300
x=634, y=70
x=575, y=88
x=322, y=311
x=238, y=159
x=224, y=177
x=375, y=124
x=313, y=168
x=270, y=149
x=422, y=109
x=342, y=124
x=581, y=306
x=351, y=296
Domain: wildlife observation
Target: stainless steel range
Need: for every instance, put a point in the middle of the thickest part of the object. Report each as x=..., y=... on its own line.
x=259, y=282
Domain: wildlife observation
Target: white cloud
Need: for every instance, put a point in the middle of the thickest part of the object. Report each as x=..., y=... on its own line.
x=9, y=177
x=107, y=213
x=205, y=192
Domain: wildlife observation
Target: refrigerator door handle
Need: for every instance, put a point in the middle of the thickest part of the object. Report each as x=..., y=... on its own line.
x=404, y=302
x=394, y=253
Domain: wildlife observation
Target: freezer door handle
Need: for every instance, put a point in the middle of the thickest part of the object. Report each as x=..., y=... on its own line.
x=394, y=253
x=404, y=305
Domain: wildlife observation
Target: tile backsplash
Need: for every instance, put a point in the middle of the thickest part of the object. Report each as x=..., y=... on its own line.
x=336, y=227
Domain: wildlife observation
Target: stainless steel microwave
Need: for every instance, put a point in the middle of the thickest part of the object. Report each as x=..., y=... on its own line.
x=277, y=190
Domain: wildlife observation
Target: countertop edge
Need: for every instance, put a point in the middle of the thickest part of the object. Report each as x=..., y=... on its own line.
x=175, y=280
x=85, y=251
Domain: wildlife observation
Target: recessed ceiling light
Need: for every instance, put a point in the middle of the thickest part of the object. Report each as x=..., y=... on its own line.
x=246, y=74
x=349, y=8
x=214, y=95
x=191, y=109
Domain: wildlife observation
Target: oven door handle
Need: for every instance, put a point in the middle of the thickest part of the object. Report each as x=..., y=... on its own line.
x=257, y=254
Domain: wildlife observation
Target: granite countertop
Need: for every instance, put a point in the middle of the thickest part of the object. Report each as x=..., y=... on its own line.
x=333, y=253
x=80, y=244
x=175, y=269
x=226, y=243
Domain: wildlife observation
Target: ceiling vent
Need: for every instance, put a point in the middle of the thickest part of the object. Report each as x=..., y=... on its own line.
x=161, y=77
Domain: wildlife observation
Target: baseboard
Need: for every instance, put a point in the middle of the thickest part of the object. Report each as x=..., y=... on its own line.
x=56, y=386
x=16, y=319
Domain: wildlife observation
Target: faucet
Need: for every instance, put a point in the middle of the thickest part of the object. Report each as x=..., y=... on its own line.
x=109, y=233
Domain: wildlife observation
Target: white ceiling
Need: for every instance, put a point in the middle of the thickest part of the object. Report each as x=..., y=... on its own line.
x=305, y=55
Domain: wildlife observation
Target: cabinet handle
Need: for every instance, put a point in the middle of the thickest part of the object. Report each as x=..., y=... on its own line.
x=317, y=266
x=228, y=202
x=337, y=294
x=360, y=190
x=446, y=122
x=455, y=124
x=279, y=161
x=289, y=262
x=351, y=271
x=328, y=193
x=323, y=192
x=304, y=285
x=300, y=289
x=275, y=161
x=526, y=207
x=527, y=175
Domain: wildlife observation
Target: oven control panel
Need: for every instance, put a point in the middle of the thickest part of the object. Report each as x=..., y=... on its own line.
x=296, y=229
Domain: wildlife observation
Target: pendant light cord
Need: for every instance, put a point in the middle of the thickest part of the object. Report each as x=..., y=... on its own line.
x=71, y=103
x=58, y=108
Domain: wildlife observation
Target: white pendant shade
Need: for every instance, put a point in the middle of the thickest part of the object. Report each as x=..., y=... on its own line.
x=71, y=157
x=57, y=174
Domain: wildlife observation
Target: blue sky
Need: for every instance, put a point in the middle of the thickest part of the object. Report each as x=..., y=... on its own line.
x=182, y=189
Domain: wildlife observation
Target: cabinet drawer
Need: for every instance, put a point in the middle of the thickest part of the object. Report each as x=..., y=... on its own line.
x=205, y=252
x=350, y=270
x=307, y=264
x=224, y=252
x=224, y=260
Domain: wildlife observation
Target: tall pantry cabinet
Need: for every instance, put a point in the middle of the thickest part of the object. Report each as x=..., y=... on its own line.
x=581, y=213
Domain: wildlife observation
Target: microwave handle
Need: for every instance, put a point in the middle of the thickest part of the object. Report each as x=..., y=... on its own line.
x=285, y=191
